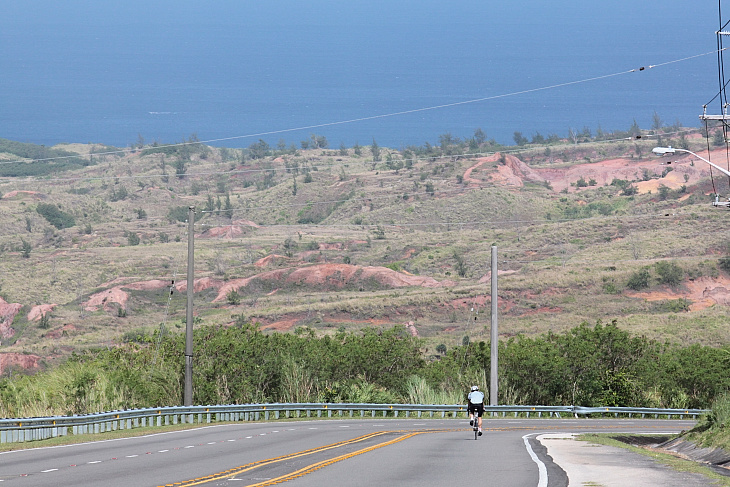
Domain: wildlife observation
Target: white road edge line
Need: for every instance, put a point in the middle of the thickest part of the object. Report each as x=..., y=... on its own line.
x=541, y=468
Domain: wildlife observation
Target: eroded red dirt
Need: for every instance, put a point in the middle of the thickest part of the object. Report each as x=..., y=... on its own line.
x=685, y=169
x=19, y=360
x=7, y=315
x=703, y=293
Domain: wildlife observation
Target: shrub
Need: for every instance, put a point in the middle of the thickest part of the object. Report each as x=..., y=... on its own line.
x=674, y=305
x=669, y=273
x=725, y=264
x=132, y=239
x=25, y=249
x=232, y=297
x=55, y=216
x=639, y=280
x=178, y=214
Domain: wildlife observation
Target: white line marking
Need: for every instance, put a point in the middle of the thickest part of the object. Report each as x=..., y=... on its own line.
x=163, y=451
x=49, y=470
x=541, y=468
x=97, y=461
x=131, y=456
x=212, y=443
x=191, y=446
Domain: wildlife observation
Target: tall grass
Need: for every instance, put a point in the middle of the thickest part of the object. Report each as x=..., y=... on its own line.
x=713, y=429
x=81, y=388
x=420, y=392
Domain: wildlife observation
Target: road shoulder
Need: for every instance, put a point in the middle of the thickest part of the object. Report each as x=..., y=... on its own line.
x=589, y=464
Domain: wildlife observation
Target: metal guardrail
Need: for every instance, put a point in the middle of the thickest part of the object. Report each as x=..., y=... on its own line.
x=32, y=429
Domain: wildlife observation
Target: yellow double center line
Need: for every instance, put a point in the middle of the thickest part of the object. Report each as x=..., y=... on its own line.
x=227, y=474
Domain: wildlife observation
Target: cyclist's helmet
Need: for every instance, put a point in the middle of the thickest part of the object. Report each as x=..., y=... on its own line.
x=474, y=388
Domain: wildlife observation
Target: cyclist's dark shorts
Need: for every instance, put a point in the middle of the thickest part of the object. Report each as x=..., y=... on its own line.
x=478, y=408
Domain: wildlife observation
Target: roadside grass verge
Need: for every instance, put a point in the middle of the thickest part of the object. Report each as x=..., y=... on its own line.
x=674, y=462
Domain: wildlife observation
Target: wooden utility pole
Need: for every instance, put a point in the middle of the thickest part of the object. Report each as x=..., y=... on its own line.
x=188, y=397
x=494, y=336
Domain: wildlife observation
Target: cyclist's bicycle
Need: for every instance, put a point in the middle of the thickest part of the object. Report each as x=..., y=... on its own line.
x=476, y=425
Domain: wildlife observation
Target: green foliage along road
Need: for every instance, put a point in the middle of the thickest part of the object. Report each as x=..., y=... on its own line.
x=587, y=366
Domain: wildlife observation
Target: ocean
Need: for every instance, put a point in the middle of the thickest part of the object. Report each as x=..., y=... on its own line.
x=234, y=72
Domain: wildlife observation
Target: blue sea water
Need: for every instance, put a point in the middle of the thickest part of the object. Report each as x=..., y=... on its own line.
x=108, y=72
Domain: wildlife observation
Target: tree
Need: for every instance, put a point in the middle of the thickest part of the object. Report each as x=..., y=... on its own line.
x=657, y=123
x=375, y=151
x=318, y=141
x=479, y=136
x=259, y=150
x=25, y=248
x=441, y=348
x=520, y=139
x=460, y=265
x=209, y=204
x=180, y=168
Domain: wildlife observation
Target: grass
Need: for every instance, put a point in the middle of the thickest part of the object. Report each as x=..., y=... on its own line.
x=561, y=265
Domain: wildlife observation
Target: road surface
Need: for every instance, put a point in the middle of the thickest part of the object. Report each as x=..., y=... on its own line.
x=350, y=452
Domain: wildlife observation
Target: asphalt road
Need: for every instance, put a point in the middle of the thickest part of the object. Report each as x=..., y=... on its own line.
x=356, y=452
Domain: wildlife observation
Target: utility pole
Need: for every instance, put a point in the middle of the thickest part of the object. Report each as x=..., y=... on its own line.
x=188, y=398
x=494, y=336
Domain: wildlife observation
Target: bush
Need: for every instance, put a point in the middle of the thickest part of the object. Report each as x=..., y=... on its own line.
x=232, y=297
x=639, y=280
x=725, y=264
x=178, y=214
x=674, y=305
x=669, y=273
x=55, y=216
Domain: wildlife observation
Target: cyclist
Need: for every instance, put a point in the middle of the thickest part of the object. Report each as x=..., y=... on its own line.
x=475, y=406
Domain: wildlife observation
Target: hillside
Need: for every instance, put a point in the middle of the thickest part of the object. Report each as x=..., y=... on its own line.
x=332, y=239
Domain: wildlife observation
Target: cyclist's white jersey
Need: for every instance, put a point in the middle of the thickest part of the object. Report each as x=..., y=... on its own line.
x=476, y=397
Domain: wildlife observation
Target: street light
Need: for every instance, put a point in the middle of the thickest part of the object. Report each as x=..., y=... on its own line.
x=660, y=151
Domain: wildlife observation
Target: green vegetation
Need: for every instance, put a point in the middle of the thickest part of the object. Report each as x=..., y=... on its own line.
x=56, y=217
x=46, y=161
x=712, y=430
x=589, y=366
